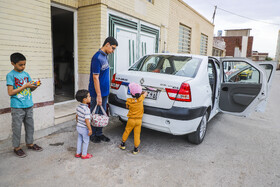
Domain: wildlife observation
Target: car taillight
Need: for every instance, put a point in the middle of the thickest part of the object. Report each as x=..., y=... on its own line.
x=171, y=93
x=184, y=94
x=115, y=84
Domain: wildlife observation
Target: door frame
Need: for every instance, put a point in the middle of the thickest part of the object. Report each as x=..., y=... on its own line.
x=75, y=39
x=123, y=28
x=141, y=27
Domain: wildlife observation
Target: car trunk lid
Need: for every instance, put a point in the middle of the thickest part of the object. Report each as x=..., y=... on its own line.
x=154, y=83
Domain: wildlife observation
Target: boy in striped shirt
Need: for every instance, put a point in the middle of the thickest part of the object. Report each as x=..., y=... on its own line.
x=83, y=124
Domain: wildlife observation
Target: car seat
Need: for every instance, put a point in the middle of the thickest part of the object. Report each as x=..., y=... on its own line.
x=169, y=70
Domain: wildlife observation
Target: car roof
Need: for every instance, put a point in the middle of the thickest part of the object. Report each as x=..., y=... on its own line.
x=178, y=54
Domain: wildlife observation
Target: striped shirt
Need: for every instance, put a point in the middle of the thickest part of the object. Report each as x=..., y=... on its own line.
x=83, y=113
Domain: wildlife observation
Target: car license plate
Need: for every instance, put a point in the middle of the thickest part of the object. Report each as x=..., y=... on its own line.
x=150, y=94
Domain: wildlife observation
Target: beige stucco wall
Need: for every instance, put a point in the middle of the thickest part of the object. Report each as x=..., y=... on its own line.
x=92, y=31
x=182, y=13
x=151, y=12
x=89, y=35
x=154, y=13
x=70, y=3
x=25, y=27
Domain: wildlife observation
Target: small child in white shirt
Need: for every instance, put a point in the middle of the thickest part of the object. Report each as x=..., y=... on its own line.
x=83, y=124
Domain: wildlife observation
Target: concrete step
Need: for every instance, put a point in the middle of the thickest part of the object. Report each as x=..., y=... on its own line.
x=65, y=112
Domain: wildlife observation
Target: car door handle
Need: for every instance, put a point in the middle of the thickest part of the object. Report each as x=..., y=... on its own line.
x=225, y=89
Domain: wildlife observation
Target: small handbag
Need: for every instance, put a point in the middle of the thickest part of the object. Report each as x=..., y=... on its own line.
x=99, y=120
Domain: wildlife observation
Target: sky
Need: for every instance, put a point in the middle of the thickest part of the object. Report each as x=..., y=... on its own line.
x=263, y=11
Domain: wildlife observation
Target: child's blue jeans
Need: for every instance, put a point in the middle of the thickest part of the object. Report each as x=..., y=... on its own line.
x=83, y=140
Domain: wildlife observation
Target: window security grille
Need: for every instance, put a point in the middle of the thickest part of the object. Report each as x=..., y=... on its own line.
x=203, y=44
x=184, y=39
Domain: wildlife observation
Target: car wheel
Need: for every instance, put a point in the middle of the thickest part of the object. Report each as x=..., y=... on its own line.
x=198, y=136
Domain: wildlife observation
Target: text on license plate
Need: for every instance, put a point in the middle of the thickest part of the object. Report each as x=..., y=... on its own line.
x=150, y=94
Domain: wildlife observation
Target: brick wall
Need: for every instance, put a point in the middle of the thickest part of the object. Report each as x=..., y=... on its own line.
x=250, y=46
x=231, y=43
x=236, y=41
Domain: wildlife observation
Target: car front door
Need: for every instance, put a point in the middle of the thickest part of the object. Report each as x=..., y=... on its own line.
x=269, y=68
x=244, y=88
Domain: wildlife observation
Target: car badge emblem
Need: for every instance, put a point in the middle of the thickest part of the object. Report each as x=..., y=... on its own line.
x=142, y=81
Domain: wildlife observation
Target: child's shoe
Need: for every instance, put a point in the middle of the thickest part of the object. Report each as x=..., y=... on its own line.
x=135, y=150
x=87, y=156
x=122, y=146
x=78, y=155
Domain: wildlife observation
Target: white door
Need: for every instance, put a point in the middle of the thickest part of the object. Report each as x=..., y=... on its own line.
x=147, y=44
x=243, y=90
x=125, y=54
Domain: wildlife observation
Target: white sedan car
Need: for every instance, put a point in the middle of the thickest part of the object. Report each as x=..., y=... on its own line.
x=186, y=91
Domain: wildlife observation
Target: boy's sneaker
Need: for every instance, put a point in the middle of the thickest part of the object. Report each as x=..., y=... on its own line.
x=135, y=150
x=20, y=153
x=122, y=146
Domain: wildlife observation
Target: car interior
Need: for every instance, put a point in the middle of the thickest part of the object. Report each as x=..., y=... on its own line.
x=238, y=92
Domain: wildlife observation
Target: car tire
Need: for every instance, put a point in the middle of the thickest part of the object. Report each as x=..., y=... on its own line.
x=198, y=136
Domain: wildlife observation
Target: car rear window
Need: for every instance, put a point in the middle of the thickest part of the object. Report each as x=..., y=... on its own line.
x=168, y=64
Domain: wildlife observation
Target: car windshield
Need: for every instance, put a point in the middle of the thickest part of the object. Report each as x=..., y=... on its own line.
x=168, y=64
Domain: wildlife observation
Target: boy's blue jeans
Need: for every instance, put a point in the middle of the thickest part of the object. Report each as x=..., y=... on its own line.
x=83, y=140
x=25, y=116
x=97, y=131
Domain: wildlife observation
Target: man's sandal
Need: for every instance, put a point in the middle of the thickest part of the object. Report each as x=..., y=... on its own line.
x=20, y=153
x=35, y=147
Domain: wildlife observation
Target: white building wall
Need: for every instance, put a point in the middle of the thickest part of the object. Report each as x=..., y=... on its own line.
x=277, y=54
x=244, y=46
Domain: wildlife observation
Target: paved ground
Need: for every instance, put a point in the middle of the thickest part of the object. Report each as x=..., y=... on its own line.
x=236, y=152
